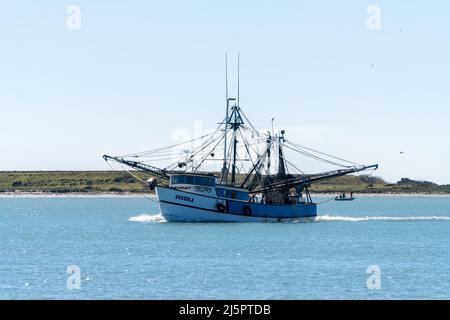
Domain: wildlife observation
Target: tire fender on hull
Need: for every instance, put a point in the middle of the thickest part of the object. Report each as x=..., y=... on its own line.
x=220, y=207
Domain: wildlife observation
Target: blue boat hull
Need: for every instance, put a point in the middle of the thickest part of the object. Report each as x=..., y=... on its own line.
x=181, y=206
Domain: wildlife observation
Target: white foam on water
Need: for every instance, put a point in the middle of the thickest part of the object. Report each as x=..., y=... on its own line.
x=148, y=218
x=385, y=218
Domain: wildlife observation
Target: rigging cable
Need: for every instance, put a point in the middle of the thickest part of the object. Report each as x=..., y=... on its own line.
x=136, y=177
x=207, y=155
x=312, y=156
x=322, y=153
x=328, y=200
x=152, y=151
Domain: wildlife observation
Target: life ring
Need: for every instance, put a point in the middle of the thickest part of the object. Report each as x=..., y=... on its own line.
x=247, y=210
x=220, y=207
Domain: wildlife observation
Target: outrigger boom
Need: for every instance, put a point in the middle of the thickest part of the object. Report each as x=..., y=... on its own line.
x=307, y=180
x=161, y=173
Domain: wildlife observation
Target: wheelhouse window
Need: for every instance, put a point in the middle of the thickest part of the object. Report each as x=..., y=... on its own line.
x=194, y=180
x=178, y=179
x=232, y=194
x=204, y=181
x=190, y=180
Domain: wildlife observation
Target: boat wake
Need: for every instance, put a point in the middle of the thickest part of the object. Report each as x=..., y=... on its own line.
x=383, y=218
x=146, y=218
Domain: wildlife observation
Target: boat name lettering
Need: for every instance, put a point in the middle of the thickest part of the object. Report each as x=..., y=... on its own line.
x=202, y=189
x=184, y=198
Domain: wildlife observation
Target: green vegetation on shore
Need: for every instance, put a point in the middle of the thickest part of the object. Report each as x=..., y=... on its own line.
x=369, y=184
x=121, y=181
x=71, y=181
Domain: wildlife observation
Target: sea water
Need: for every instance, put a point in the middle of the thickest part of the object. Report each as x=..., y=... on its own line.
x=121, y=248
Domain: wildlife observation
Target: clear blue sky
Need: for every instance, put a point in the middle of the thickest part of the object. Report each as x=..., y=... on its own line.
x=138, y=70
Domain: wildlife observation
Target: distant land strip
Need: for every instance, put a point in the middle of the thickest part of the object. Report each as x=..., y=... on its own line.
x=122, y=182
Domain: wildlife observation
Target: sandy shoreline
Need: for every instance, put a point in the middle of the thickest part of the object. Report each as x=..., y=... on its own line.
x=140, y=195
x=74, y=195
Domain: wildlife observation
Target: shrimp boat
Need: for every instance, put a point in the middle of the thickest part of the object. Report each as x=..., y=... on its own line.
x=251, y=181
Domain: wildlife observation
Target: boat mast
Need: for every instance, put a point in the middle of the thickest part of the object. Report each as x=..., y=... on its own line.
x=236, y=125
x=234, y=115
x=224, y=169
x=236, y=122
x=281, y=160
x=233, y=168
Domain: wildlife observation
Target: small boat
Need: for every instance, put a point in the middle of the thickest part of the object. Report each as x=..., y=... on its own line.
x=344, y=197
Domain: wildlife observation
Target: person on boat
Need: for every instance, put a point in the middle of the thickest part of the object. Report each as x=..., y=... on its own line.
x=301, y=199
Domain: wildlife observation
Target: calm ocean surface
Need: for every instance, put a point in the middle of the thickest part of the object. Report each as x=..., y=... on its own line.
x=124, y=251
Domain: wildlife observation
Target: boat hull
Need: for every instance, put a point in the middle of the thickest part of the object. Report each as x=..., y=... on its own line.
x=180, y=206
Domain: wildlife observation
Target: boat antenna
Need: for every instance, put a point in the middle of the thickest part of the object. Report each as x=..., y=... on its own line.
x=238, y=82
x=224, y=169
x=226, y=76
x=273, y=132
